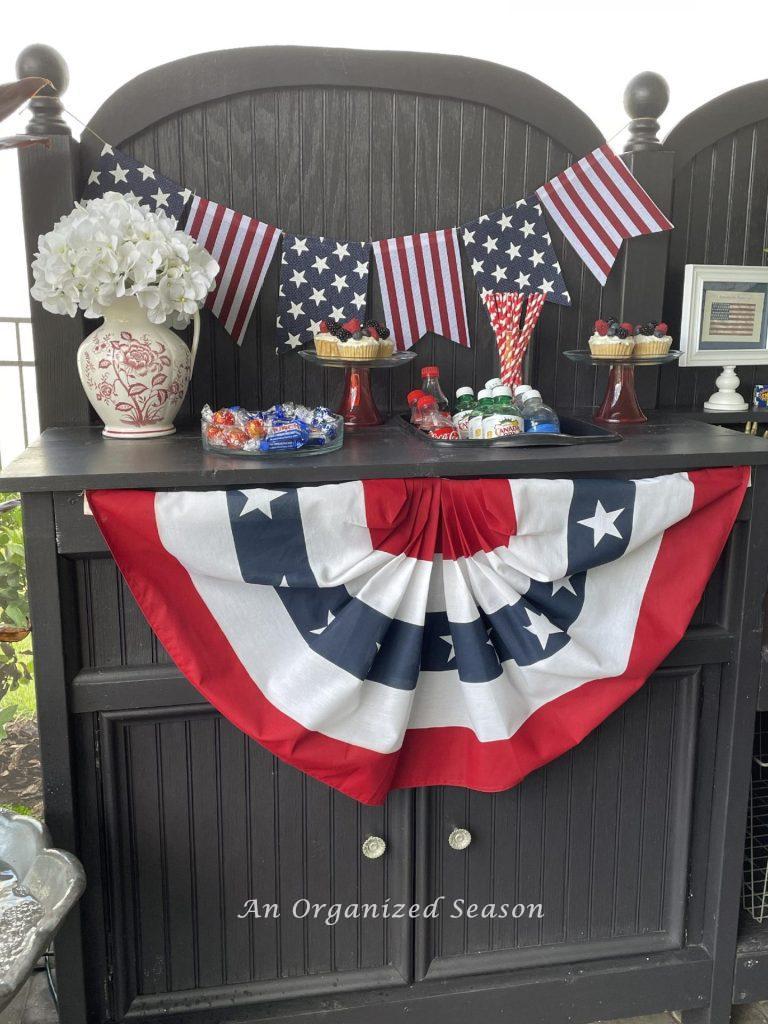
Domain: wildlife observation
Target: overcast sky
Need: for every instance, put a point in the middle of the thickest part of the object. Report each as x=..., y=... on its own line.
x=586, y=49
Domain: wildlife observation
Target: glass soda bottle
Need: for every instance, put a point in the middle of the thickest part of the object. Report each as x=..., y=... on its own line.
x=465, y=406
x=482, y=409
x=538, y=417
x=412, y=399
x=431, y=416
x=503, y=420
x=430, y=385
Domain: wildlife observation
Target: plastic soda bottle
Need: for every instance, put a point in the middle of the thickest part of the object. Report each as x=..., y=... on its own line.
x=465, y=406
x=482, y=409
x=538, y=417
x=430, y=385
x=412, y=399
x=431, y=416
x=503, y=420
x=494, y=382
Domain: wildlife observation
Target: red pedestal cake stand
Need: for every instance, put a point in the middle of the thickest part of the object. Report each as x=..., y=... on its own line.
x=357, y=405
x=620, y=403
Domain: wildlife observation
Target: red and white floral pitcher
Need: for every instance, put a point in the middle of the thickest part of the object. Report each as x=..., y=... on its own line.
x=136, y=373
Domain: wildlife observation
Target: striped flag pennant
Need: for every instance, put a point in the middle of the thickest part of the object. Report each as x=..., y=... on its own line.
x=422, y=287
x=243, y=248
x=381, y=634
x=597, y=203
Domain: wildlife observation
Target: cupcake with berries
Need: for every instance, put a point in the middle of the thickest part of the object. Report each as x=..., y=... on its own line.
x=651, y=339
x=357, y=342
x=379, y=331
x=611, y=339
x=327, y=341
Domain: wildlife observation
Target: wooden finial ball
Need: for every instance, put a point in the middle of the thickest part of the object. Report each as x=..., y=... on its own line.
x=39, y=60
x=647, y=95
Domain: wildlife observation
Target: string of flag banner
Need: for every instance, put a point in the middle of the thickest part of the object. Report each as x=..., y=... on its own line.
x=596, y=203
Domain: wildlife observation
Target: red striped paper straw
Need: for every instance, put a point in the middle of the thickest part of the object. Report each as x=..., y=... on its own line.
x=532, y=313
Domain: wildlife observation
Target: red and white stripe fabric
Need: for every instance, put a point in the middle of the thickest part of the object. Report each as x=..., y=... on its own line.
x=422, y=287
x=597, y=203
x=381, y=634
x=243, y=248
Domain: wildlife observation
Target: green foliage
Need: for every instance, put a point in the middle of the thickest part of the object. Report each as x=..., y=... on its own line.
x=15, y=659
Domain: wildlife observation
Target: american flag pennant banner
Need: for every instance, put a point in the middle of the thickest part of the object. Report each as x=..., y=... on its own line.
x=597, y=203
x=422, y=287
x=511, y=251
x=382, y=634
x=243, y=247
x=118, y=172
x=320, y=279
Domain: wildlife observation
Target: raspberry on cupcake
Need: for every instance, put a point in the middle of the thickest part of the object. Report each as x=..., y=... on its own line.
x=611, y=339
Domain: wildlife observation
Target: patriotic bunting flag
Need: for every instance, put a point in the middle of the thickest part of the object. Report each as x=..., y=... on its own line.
x=511, y=251
x=243, y=248
x=118, y=172
x=422, y=287
x=320, y=279
x=597, y=202
x=394, y=633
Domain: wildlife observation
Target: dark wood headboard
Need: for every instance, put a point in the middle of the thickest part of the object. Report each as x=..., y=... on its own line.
x=720, y=207
x=353, y=144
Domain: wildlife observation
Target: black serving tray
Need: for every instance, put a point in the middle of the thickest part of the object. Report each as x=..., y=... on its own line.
x=574, y=432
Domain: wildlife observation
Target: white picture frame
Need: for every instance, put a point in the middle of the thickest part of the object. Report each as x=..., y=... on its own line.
x=702, y=291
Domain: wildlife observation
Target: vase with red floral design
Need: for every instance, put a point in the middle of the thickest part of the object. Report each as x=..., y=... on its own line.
x=136, y=373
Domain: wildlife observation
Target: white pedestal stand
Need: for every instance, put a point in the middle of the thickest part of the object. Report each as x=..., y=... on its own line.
x=726, y=398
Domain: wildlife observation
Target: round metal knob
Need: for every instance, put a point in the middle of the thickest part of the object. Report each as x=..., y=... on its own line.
x=459, y=839
x=373, y=847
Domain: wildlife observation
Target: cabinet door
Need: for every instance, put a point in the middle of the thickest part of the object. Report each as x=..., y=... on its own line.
x=226, y=866
x=587, y=857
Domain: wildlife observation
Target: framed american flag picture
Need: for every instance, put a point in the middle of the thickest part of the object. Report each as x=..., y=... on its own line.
x=724, y=316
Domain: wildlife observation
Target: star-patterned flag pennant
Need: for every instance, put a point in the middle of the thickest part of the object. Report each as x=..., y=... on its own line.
x=422, y=287
x=118, y=172
x=243, y=247
x=511, y=251
x=320, y=279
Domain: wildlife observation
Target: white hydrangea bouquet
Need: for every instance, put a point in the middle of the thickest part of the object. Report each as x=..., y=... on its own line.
x=114, y=258
x=113, y=247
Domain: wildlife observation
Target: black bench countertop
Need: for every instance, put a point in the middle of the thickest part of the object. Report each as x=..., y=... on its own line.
x=75, y=458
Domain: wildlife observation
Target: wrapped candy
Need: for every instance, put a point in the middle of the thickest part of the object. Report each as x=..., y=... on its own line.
x=286, y=426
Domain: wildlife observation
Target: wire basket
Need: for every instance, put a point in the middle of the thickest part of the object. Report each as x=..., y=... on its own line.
x=754, y=895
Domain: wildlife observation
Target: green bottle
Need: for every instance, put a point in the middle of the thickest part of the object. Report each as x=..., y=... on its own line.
x=465, y=407
x=503, y=420
x=483, y=408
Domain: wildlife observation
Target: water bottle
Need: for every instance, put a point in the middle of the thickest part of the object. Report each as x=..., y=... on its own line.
x=430, y=385
x=538, y=417
x=520, y=394
x=503, y=420
x=482, y=409
x=465, y=407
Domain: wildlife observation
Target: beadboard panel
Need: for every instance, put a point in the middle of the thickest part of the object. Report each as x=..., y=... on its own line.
x=199, y=820
x=720, y=213
x=369, y=163
x=598, y=838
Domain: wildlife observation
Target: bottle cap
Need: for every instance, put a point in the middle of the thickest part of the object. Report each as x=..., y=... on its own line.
x=521, y=388
x=533, y=393
x=502, y=389
x=426, y=401
x=483, y=393
x=413, y=395
x=430, y=371
x=460, y=392
x=494, y=382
